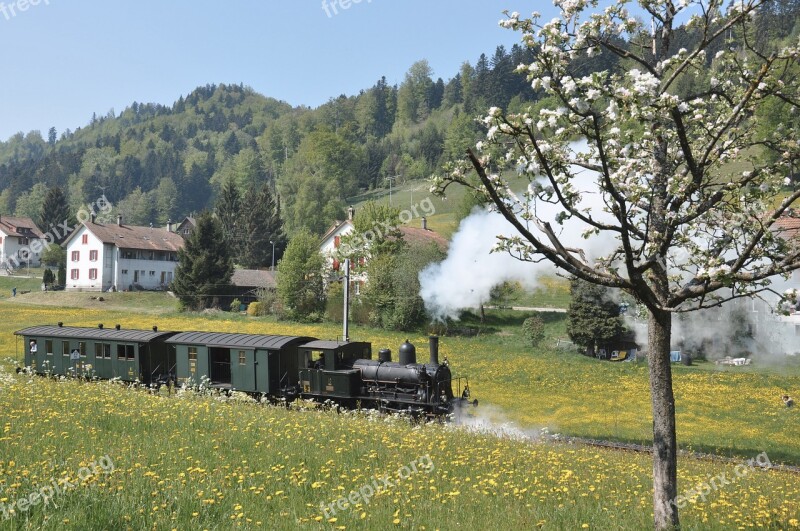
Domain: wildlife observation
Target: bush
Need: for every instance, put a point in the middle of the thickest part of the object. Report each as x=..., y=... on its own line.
x=236, y=305
x=533, y=330
x=255, y=309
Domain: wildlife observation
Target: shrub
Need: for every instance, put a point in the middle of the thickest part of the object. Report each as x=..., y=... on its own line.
x=255, y=308
x=236, y=305
x=533, y=329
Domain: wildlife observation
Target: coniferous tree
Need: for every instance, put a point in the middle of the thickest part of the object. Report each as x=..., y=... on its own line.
x=205, y=267
x=593, y=316
x=55, y=212
x=228, y=209
x=262, y=228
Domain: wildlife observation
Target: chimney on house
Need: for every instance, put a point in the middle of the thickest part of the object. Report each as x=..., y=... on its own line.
x=424, y=223
x=350, y=213
x=169, y=225
x=94, y=216
x=119, y=219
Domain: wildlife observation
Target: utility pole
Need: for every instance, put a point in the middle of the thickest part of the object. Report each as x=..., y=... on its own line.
x=391, y=180
x=346, y=324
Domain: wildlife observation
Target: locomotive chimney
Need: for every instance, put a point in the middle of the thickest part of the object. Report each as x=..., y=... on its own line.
x=434, y=348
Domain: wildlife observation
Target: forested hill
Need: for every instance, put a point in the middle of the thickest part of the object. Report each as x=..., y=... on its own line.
x=158, y=162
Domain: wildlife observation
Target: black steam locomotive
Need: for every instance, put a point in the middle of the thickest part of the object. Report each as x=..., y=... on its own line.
x=275, y=367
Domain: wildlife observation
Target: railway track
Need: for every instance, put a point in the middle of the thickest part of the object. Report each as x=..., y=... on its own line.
x=640, y=448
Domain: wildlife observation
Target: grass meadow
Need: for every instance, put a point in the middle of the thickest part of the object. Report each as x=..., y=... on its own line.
x=200, y=462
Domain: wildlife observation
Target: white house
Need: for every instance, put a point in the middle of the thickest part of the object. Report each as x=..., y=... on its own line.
x=121, y=257
x=332, y=240
x=21, y=242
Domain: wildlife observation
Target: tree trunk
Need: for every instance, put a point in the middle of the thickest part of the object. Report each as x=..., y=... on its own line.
x=665, y=455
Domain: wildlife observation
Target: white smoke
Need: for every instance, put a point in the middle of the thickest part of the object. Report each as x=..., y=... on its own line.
x=465, y=278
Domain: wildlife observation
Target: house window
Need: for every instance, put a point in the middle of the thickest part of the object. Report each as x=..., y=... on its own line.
x=85, y=239
x=152, y=273
x=102, y=351
x=76, y=256
x=23, y=241
x=337, y=240
x=242, y=357
x=48, y=347
x=124, y=271
x=74, y=274
x=65, y=348
x=186, y=231
x=125, y=352
x=93, y=274
x=93, y=256
x=82, y=349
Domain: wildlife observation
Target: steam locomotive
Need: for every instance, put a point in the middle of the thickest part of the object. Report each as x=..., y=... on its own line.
x=276, y=367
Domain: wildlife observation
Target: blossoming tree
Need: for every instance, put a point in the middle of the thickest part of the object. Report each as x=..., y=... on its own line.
x=690, y=186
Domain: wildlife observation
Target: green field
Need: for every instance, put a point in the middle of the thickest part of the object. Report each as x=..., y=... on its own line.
x=194, y=462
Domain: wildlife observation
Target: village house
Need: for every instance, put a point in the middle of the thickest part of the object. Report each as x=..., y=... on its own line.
x=118, y=257
x=186, y=227
x=21, y=243
x=247, y=283
x=332, y=241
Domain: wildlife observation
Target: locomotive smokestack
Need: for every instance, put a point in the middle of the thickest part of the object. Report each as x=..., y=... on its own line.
x=434, y=348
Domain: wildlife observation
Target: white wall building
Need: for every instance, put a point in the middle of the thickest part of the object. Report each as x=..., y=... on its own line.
x=121, y=257
x=21, y=243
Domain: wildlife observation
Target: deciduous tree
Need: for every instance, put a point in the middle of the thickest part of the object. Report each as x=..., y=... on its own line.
x=682, y=226
x=300, y=285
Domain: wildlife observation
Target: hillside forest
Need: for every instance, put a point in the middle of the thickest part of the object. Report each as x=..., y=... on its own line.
x=157, y=163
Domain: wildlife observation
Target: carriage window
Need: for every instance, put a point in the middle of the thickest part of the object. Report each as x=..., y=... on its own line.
x=125, y=352
x=102, y=351
x=192, y=359
x=48, y=347
x=242, y=357
x=82, y=349
x=65, y=348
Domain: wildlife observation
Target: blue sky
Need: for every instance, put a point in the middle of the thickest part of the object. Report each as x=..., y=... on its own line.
x=62, y=60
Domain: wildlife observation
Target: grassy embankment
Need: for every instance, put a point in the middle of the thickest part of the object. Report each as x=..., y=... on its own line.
x=196, y=462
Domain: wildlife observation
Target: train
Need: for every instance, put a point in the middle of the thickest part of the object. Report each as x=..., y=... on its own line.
x=275, y=367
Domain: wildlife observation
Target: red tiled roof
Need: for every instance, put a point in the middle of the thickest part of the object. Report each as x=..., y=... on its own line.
x=417, y=235
x=133, y=237
x=787, y=227
x=11, y=225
